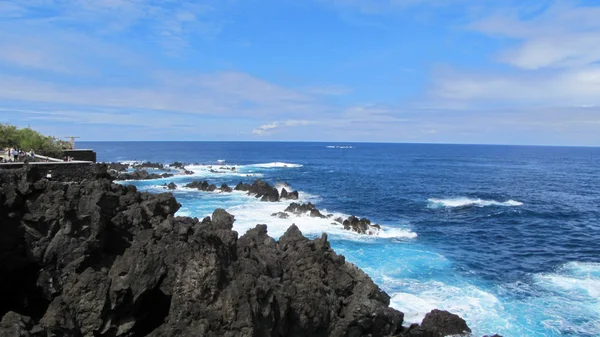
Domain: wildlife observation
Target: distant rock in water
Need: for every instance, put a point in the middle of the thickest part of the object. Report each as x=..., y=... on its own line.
x=263, y=190
x=118, y=167
x=242, y=187
x=303, y=209
x=102, y=259
x=178, y=165
x=361, y=226
x=141, y=175
x=202, y=186
x=288, y=195
x=225, y=188
x=151, y=165
x=440, y=323
x=170, y=186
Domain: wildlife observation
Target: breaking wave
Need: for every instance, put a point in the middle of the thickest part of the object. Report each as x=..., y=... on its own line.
x=469, y=202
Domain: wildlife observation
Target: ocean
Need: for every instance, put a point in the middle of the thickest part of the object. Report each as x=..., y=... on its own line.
x=508, y=237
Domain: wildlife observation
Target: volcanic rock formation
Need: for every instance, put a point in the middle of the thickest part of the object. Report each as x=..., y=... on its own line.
x=101, y=259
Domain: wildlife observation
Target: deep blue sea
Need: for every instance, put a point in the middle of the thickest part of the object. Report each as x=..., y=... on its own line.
x=508, y=237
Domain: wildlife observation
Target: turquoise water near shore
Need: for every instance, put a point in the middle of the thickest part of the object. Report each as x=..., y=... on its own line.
x=506, y=236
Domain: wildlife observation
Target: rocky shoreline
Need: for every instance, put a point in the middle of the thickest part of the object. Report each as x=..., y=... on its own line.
x=95, y=258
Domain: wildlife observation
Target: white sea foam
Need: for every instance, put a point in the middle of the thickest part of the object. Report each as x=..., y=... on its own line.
x=574, y=279
x=469, y=202
x=477, y=306
x=276, y=164
x=220, y=161
x=339, y=147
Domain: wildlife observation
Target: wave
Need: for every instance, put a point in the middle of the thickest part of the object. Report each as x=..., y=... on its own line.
x=276, y=164
x=418, y=297
x=339, y=147
x=574, y=279
x=469, y=202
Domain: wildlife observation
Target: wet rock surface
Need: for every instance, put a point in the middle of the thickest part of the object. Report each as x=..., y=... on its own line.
x=202, y=186
x=102, y=259
x=139, y=174
x=361, y=226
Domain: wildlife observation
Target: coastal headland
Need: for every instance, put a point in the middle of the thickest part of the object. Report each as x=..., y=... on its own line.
x=94, y=258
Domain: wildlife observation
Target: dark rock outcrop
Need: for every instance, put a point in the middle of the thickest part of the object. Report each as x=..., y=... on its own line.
x=202, y=186
x=141, y=175
x=361, y=226
x=119, y=167
x=264, y=191
x=439, y=323
x=225, y=188
x=150, y=165
x=303, y=209
x=178, y=165
x=96, y=258
x=101, y=259
x=171, y=186
x=288, y=195
x=242, y=187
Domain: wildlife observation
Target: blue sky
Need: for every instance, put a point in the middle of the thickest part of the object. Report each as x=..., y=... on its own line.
x=440, y=71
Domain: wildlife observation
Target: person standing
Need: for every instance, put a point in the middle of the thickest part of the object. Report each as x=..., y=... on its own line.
x=15, y=154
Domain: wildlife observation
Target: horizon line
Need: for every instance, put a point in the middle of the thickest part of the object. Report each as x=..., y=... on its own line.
x=334, y=142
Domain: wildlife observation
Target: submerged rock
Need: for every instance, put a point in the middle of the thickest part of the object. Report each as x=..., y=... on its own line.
x=281, y=215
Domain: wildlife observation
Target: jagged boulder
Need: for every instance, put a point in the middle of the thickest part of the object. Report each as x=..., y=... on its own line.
x=361, y=226
x=242, y=187
x=142, y=175
x=439, y=323
x=178, y=165
x=202, y=186
x=263, y=190
x=150, y=165
x=225, y=188
x=119, y=167
x=303, y=209
x=288, y=195
x=169, y=186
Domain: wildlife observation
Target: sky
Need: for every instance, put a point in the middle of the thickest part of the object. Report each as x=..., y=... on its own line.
x=416, y=71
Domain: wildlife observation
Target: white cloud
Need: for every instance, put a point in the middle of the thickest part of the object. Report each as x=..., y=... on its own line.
x=560, y=36
x=572, y=87
x=272, y=127
x=220, y=94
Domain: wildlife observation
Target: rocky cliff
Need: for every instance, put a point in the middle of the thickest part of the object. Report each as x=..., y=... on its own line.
x=94, y=258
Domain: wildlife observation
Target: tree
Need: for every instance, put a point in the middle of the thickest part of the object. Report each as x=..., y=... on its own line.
x=28, y=139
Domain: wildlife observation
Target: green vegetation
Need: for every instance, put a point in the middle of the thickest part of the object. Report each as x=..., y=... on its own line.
x=27, y=139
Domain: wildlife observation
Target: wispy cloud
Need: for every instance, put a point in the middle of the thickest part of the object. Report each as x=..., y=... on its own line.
x=276, y=126
x=170, y=23
x=560, y=36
